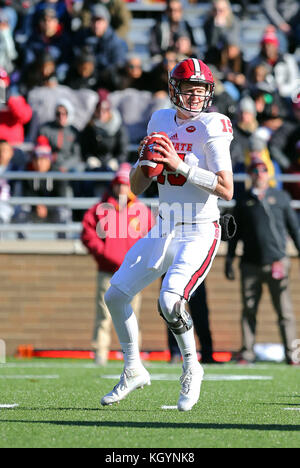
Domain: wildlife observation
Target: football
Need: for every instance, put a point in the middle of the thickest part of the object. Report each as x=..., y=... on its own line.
x=148, y=153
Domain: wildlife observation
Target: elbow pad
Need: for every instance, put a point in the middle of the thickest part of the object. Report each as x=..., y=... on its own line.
x=199, y=177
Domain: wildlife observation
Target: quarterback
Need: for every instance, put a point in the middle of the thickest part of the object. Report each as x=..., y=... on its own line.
x=195, y=152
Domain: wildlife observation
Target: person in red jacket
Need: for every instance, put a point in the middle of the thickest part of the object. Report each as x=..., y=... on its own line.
x=110, y=229
x=13, y=117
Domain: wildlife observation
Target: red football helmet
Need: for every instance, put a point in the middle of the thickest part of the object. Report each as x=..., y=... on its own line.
x=192, y=71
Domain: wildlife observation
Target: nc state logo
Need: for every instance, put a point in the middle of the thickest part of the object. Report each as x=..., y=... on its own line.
x=191, y=129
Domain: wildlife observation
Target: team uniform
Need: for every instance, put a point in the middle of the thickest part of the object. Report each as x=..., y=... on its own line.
x=185, y=240
x=185, y=245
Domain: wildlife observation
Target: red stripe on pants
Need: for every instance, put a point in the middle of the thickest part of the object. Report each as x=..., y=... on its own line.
x=199, y=273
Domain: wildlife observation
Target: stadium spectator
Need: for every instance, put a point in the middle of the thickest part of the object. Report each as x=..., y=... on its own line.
x=244, y=127
x=83, y=73
x=44, y=188
x=105, y=138
x=283, y=67
x=264, y=218
x=8, y=52
x=234, y=69
x=43, y=68
x=260, y=78
x=223, y=102
x=60, y=8
x=50, y=37
x=283, y=139
x=110, y=248
x=13, y=117
x=285, y=15
x=63, y=139
x=12, y=160
x=101, y=40
x=165, y=33
x=10, y=13
x=158, y=77
x=184, y=48
x=120, y=15
x=129, y=76
x=221, y=26
x=200, y=314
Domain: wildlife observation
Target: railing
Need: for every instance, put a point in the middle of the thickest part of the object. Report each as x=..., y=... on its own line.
x=85, y=203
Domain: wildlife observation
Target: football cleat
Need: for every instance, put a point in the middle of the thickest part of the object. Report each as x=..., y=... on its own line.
x=130, y=380
x=191, y=381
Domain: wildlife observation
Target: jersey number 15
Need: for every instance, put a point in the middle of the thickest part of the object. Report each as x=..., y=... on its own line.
x=176, y=180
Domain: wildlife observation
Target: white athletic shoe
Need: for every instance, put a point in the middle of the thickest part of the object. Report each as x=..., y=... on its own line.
x=130, y=380
x=191, y=381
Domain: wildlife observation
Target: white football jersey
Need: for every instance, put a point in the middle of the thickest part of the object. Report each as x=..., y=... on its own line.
x=191, y=140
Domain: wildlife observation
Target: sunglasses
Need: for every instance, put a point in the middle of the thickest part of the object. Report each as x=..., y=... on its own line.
x=258, y=170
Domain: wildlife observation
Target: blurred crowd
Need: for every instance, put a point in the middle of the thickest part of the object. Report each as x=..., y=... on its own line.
x=74, y=89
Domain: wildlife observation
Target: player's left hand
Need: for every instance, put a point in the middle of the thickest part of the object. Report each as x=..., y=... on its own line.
x=169, y=157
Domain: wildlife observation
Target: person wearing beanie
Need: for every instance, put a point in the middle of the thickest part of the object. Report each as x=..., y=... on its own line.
x=42, y=162
x=120, y=15
x=283, y=67
x=104, y=237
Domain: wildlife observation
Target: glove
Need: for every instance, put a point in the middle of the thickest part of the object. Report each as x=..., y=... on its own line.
x=229, y=271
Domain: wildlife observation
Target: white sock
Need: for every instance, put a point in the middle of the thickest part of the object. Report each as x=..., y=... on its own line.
x=126, y=326
x=187, y=346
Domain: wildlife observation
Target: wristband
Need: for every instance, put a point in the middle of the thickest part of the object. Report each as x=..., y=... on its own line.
x=183, y=169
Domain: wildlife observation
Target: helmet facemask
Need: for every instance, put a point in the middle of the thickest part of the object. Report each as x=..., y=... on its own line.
x=177, y=96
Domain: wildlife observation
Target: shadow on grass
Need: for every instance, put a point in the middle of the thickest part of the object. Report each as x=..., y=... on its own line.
x=162, y=425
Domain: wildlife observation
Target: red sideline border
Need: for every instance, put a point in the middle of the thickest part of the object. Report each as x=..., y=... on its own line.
x=29, y=352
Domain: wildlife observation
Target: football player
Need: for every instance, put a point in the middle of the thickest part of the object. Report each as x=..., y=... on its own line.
x=183, y=245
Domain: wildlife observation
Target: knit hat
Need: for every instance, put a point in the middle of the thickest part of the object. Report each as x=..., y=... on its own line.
x=49, y=12
x=248, y=105
x=63, y=102
x=42, y=148
x=256, y=162
x=100, y=11
x=270, y=37
x=122, y=175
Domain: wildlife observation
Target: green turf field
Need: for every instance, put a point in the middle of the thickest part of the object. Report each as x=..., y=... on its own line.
x=58, y=406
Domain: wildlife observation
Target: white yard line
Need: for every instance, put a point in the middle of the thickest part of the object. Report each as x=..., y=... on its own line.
x=291, y=409
x=209, y=377
x=9, y=406
x=25, y=376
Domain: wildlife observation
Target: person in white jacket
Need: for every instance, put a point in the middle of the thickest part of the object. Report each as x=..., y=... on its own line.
x=283, y=67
